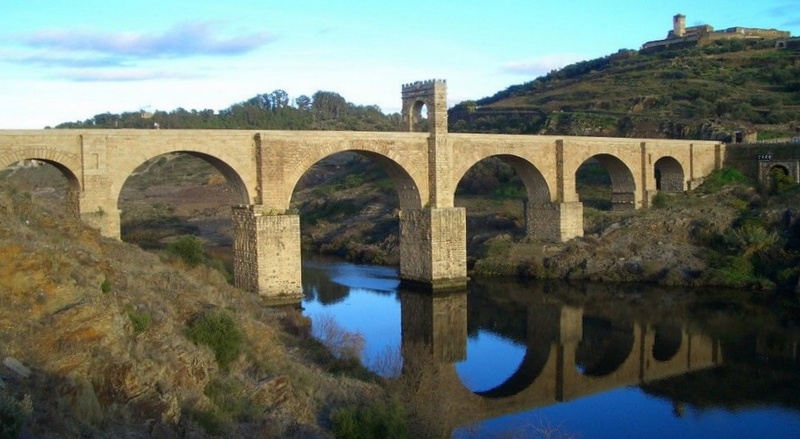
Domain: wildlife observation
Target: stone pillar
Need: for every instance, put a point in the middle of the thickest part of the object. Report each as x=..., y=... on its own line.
x=555, y=222
x=623, y=201
x=436, y=322
x=433, y=249
x=648, y=197
x=266, y=253
x=106, y=219
x=98, y=200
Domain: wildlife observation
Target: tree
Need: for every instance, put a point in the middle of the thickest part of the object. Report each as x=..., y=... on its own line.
x=303, y=103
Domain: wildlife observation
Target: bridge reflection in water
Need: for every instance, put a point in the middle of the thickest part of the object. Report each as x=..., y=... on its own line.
x=569, y=353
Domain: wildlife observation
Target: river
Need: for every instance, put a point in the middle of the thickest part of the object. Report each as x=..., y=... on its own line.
x=548, y=359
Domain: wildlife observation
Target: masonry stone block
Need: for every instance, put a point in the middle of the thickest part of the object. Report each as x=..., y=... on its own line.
x=433, y=247
x=555, y=222
x=266, y=253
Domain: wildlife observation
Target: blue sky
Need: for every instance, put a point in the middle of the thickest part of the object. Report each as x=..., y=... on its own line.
x=66, y=60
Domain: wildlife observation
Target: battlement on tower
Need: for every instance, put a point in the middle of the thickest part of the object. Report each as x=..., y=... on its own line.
x=419, y=89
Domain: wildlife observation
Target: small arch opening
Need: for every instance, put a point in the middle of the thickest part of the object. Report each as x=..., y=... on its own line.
x=669, y=175
x=779, y=179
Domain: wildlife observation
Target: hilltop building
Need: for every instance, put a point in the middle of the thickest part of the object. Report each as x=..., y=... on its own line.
x=682, y=36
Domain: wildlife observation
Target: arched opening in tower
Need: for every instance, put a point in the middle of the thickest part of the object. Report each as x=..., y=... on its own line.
x=419, y=114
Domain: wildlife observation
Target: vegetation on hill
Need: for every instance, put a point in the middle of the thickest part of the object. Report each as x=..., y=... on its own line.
x=113, y=341
x=701, y=92
x=268, y=111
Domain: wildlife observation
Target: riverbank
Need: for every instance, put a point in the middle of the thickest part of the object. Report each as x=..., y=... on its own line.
x=102, y=339
x=727, y=233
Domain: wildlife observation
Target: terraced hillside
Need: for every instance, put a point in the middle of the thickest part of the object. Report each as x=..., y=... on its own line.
x=702, y=92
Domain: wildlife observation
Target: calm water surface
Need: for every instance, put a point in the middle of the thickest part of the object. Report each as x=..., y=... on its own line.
x=589, y=361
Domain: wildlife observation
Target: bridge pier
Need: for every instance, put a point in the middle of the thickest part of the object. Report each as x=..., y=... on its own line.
x=266, y=253
x=99, y=211
x=433, y=250
x=104, y=219
x=623, y=201
x=555, y=222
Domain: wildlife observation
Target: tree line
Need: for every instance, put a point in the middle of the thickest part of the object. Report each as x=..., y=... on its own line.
x=274, y=110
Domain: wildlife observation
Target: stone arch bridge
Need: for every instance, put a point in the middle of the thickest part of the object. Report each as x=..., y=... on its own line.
x=263, y=168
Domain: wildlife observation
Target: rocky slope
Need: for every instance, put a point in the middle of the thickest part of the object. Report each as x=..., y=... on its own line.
x=93, y=337
x=730, y=237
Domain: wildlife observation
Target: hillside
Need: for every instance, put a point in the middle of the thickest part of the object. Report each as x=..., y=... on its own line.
x=701, y=92
x=102, y=339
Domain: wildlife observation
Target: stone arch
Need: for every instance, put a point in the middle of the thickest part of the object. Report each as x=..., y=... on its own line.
x=61, y=162
x=669, y=175
x=538, y=202
x=667, y=342
x=233, y=178
x=790, y=168
x=604, y=346
x=536, y=357
x=536, y=187
x=407, y=189
x=780, y=168
x=623, y=185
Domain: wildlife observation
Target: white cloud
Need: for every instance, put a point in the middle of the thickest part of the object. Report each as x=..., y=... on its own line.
x=542, y=65
x=183, y=40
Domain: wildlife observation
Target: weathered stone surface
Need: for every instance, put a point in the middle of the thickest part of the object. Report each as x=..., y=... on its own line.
x=263, y=168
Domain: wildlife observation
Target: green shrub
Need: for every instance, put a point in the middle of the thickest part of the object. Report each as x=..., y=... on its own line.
x=141, y=320
x=720, y=178
x=188, y=249
x=780, y=181
x=378, y=420
x=213, y=421
x=218, y=330
x=660, y=200
x=230, y=398
x=105, y=286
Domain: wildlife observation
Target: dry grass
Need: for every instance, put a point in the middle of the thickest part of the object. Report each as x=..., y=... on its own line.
x=102, y=325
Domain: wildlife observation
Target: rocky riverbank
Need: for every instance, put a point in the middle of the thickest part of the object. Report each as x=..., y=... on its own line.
x=720, y=235
x=97, y=341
